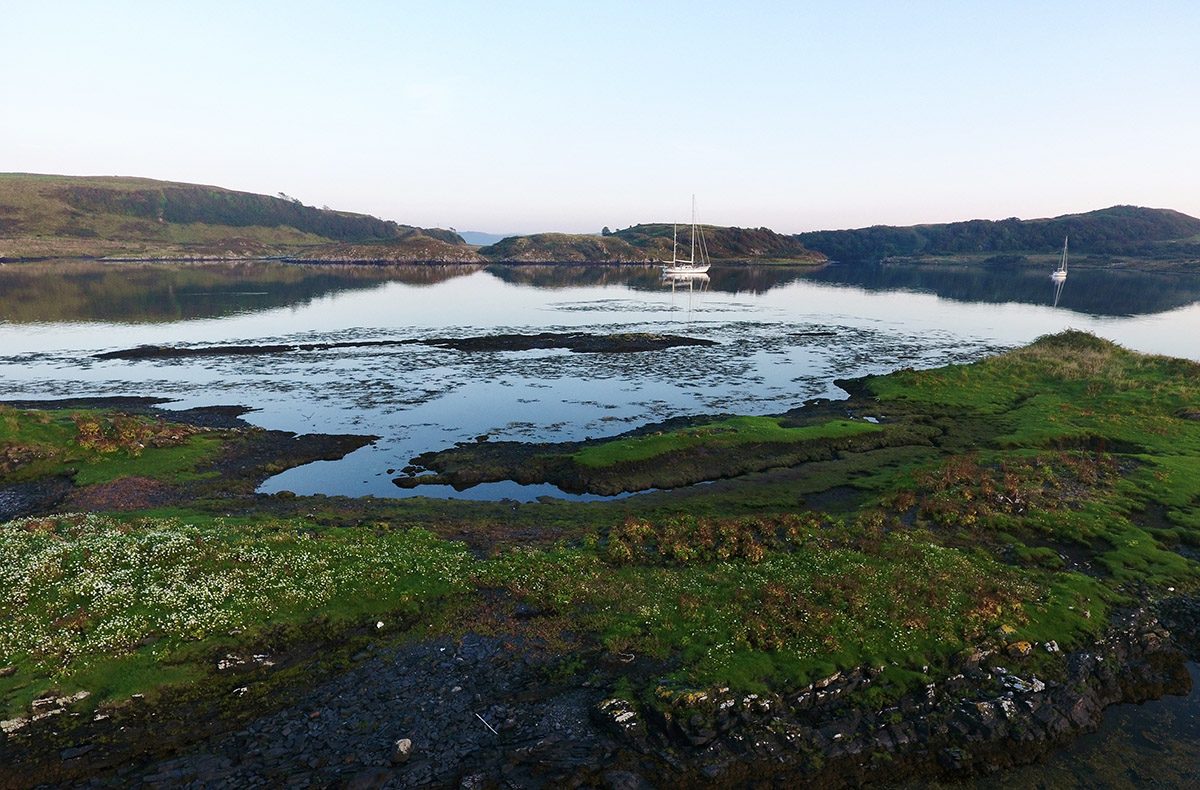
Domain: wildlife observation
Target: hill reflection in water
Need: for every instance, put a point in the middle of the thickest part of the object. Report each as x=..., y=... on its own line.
x=1099, y=292
x=161, y=292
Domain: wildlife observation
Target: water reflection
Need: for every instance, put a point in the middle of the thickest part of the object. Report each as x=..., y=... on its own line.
x=162, y=292
x=689, y=288
x=1058, y=284
x=727, y=279
x=1104, y=292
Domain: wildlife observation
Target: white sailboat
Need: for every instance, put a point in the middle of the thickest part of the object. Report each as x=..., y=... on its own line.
x=691, y=265
x=1061, y=272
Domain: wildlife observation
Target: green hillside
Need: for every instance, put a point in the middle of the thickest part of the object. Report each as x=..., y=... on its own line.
x=44, y=217
x=64, y=216
x=1119, y=231
x=563, y=248
x=646, y=243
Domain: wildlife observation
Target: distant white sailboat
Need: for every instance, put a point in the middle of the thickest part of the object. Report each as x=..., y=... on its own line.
x=691, y=265
x=1061, y=272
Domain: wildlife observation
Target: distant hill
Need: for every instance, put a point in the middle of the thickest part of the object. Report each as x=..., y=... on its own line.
x=1120, y=231
x=563, y=248
x=647, y=243
x=481, y=238
x=724, y=244
x=109, y=217
x=66, y=216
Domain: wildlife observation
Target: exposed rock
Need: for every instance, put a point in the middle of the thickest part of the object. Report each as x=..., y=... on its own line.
x=402, y=750
x=369, y=779
x=624, y=780
x=473, y=782
x=573, y=341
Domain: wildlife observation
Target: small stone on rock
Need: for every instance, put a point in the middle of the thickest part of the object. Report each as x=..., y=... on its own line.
x=402, y=750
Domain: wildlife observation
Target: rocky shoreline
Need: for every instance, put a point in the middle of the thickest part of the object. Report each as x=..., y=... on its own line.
x=486, y=712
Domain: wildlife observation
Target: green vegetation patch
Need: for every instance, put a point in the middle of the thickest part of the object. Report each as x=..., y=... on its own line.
x=85, y=597
x=751, y=602
x=100, y=446
x=1070, y=389
x=723, y=434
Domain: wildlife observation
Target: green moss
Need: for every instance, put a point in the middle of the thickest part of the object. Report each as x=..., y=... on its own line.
x=717, y=435
x=98, y=447
x=174, y=463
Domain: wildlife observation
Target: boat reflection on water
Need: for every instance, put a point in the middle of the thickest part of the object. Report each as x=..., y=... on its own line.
x=694, y=284
x=1059, y=282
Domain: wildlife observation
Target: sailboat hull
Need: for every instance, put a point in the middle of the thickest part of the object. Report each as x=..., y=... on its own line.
x=698, y=268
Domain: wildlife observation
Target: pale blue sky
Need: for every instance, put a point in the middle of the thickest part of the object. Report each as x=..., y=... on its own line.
x=526, y=116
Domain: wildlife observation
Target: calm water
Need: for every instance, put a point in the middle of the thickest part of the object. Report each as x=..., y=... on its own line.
x=774, y=352
x=784, y=336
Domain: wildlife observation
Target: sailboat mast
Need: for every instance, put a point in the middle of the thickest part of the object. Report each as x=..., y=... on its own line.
x=692, y=257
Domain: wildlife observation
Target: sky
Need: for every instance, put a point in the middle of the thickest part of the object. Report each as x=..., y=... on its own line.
x=520, y=117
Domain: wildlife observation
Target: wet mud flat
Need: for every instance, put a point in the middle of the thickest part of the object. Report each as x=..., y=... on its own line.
x=580, y=342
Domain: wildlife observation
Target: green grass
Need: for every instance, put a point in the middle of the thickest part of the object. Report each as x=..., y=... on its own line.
x=175, y=463
x=783, y=616
x=718, y=435
x=98, y=447
x=110, y=605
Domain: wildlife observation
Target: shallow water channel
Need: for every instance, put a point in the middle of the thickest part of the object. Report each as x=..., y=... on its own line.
x=783, y=336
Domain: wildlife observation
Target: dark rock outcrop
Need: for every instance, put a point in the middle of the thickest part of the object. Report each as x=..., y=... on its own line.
x=481, y=712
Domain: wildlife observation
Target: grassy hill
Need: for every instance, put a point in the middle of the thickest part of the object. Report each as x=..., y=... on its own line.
x=563, y=248
x=110, y=217
x=1111, y=233
x=645, y=243
x=45, y=216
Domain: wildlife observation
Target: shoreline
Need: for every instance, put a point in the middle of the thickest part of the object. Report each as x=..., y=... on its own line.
x=483, y=712
x=1035, y=262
